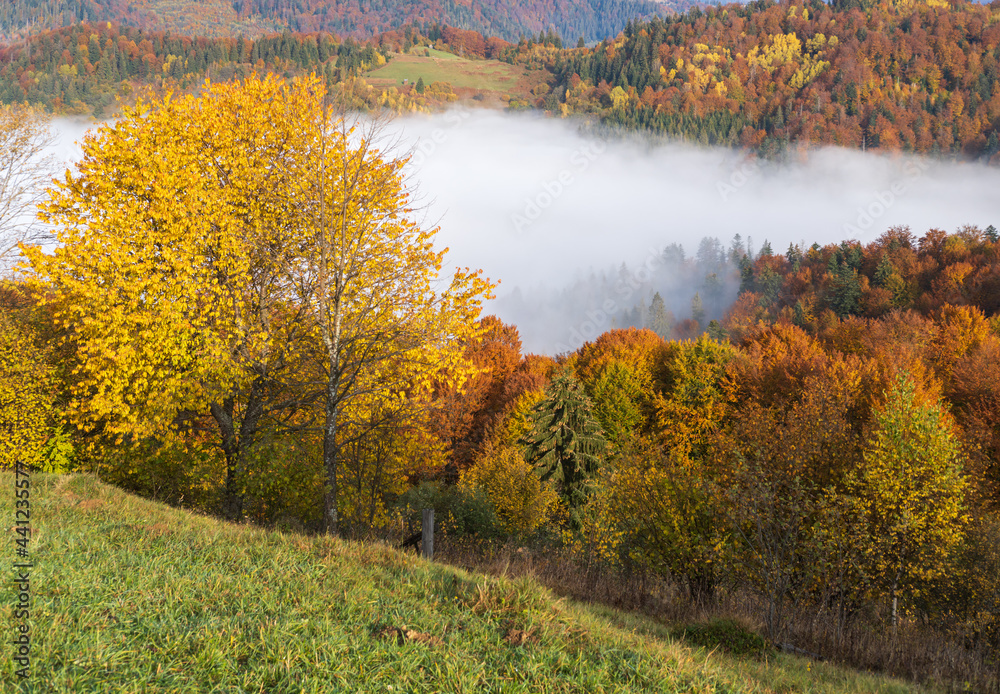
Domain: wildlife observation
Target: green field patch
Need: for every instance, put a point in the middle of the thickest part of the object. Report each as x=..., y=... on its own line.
x=460, y=73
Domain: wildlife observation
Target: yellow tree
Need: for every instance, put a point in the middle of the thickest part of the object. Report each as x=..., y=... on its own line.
x=385, y=327
x=171, y=281
x=909, y=492
x=27, y=393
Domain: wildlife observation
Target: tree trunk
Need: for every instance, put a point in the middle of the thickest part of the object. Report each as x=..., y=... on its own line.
x=236, y=445
x=331, y=455
x=232, y=504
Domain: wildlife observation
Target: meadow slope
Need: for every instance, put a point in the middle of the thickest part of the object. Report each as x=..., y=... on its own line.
x=131, y=595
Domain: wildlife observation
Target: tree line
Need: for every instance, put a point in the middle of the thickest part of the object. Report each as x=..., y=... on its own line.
x=595, y=19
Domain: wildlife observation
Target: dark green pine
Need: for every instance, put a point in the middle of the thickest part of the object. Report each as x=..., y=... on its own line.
x=565, y=443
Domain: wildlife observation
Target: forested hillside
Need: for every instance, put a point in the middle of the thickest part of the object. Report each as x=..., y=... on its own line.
x=912, y=76
x=918, y=76
x=86, y=67
x=823, y=461
x=592, y=19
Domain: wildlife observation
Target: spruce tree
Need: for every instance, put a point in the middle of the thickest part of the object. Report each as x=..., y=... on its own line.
x=659, y=319
x=698, y=309
x=420, y=85
x=565, y=443
x=883, y=272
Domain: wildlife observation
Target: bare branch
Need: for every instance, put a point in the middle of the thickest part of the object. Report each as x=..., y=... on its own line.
x=25, y=169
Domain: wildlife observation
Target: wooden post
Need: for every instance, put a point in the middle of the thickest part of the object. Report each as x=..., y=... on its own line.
x=427, y=530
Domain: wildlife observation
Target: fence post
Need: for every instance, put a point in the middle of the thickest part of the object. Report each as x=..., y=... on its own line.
x=427, y=531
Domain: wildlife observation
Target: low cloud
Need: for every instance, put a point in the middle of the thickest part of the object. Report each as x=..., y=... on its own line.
x=547, y=206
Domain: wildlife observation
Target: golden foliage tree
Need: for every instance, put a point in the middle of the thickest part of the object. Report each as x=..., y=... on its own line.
x=909, y=492
x=522, y=501
x=384, y=325
x=241, y=256
x=27, y=393
x=177, y=232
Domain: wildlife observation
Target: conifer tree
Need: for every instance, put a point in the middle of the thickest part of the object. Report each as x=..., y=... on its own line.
x=697, y=309
x=659, y=319
x=565, y=443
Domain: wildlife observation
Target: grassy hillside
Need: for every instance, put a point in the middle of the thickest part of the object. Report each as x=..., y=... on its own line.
x=439, y=66
x=134, y=596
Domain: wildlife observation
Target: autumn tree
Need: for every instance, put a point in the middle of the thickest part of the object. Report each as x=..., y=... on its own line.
x=666, y=515
x=689, y=401
x=28, y=386
x=385, y=326
x=522, y=500
x=238, y=257
x=779, y=461
x=177, y=232
x=909, y=492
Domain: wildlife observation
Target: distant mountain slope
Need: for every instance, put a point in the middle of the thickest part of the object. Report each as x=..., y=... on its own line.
x=510, y=19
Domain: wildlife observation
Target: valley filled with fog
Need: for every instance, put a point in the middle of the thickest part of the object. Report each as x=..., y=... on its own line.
x=553, y=209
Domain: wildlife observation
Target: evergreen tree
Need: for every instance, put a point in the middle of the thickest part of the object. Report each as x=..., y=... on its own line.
x=794, y=256
x=658, y=319
x=697, y=309
x=846, y=291
x=565, y=443
x=992, y=145
x=717, y=332
x=883, y=272
x=736, y=250
x=799, y=314
x=991, y=233
x=420, y=85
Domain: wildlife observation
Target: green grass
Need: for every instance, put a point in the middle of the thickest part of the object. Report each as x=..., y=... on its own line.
x=487, y=75
x=134, y=596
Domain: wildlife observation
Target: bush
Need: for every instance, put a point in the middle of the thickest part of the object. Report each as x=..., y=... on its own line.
x=459, y=512
x=519, y=498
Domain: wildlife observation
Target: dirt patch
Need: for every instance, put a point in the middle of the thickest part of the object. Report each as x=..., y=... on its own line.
x=519, y=637
x=90, y=504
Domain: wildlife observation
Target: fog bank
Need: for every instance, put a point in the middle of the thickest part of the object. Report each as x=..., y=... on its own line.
x=547, y=207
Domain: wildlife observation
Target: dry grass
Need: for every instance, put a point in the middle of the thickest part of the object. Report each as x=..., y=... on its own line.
x=918, y=652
